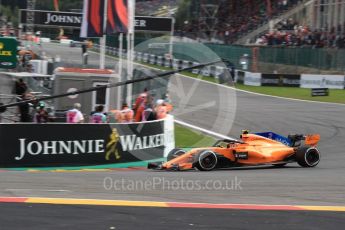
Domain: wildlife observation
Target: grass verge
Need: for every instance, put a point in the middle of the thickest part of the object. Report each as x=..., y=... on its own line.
x=335, y=95
x=185, y=137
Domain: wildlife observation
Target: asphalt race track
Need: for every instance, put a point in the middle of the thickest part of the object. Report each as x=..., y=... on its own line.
x=223, y=110
x=40, y=216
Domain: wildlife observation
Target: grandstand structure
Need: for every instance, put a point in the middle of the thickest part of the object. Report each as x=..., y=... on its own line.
x=316, y=15
x=327, y=14
x=241, y=22
x=208, y=16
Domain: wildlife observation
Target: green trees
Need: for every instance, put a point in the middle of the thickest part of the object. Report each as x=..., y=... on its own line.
x=10, y=14
x=183, y=14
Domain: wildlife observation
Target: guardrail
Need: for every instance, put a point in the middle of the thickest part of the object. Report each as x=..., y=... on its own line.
x=215, y=71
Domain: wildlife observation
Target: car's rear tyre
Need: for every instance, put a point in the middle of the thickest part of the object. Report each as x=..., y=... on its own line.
x=307, y=156
x=175, y=153
x=206, y=160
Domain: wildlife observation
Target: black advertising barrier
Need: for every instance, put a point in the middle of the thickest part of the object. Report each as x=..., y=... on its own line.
x=292, y=80
x=319, y=92
x=53, y=18
x=147, y=23
x=72, y=19
x=27, y=145
x=240, y=77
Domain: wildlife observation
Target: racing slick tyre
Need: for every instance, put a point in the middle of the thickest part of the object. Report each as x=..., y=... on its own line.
x=307, y=156
x=175, y=153
x=206, y=160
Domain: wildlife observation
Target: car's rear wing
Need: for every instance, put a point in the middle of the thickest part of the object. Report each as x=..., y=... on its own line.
x=312, y=139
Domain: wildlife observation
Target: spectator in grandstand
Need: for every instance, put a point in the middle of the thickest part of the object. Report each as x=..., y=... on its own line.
x=25, y=55
x=24, y=109
x=98, y=116
x=261, y=40
x=74, y=115
x=139, y=105
x=20, y=87
x=148, y=114
x=162, y=109
x=303, y=36
x=140, y=109
x=38, y=38
x=140, y=99
x=112, y=116
x=93, y=111
x=235, y=18
x=84, y=53
x=41, y=115
x=125, y=115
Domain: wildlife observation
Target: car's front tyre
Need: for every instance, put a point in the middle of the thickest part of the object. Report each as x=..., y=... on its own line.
x=206, y=160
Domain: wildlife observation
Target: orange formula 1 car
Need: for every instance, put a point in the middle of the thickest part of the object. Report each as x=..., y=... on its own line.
x=253, y=149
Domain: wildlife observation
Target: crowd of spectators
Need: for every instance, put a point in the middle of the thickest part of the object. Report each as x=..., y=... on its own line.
x=236, y=18
x=290, y=33
x=144, y=109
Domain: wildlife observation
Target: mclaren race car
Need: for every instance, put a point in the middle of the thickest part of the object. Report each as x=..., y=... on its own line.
x=266, y=148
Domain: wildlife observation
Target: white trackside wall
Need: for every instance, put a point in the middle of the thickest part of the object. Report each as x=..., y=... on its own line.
x=253, y=79
x=322, y=81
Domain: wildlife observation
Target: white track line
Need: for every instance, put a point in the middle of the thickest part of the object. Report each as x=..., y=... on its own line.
x=211, y=133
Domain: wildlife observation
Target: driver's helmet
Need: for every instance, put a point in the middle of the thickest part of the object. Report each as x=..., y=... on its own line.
x=245, y=131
